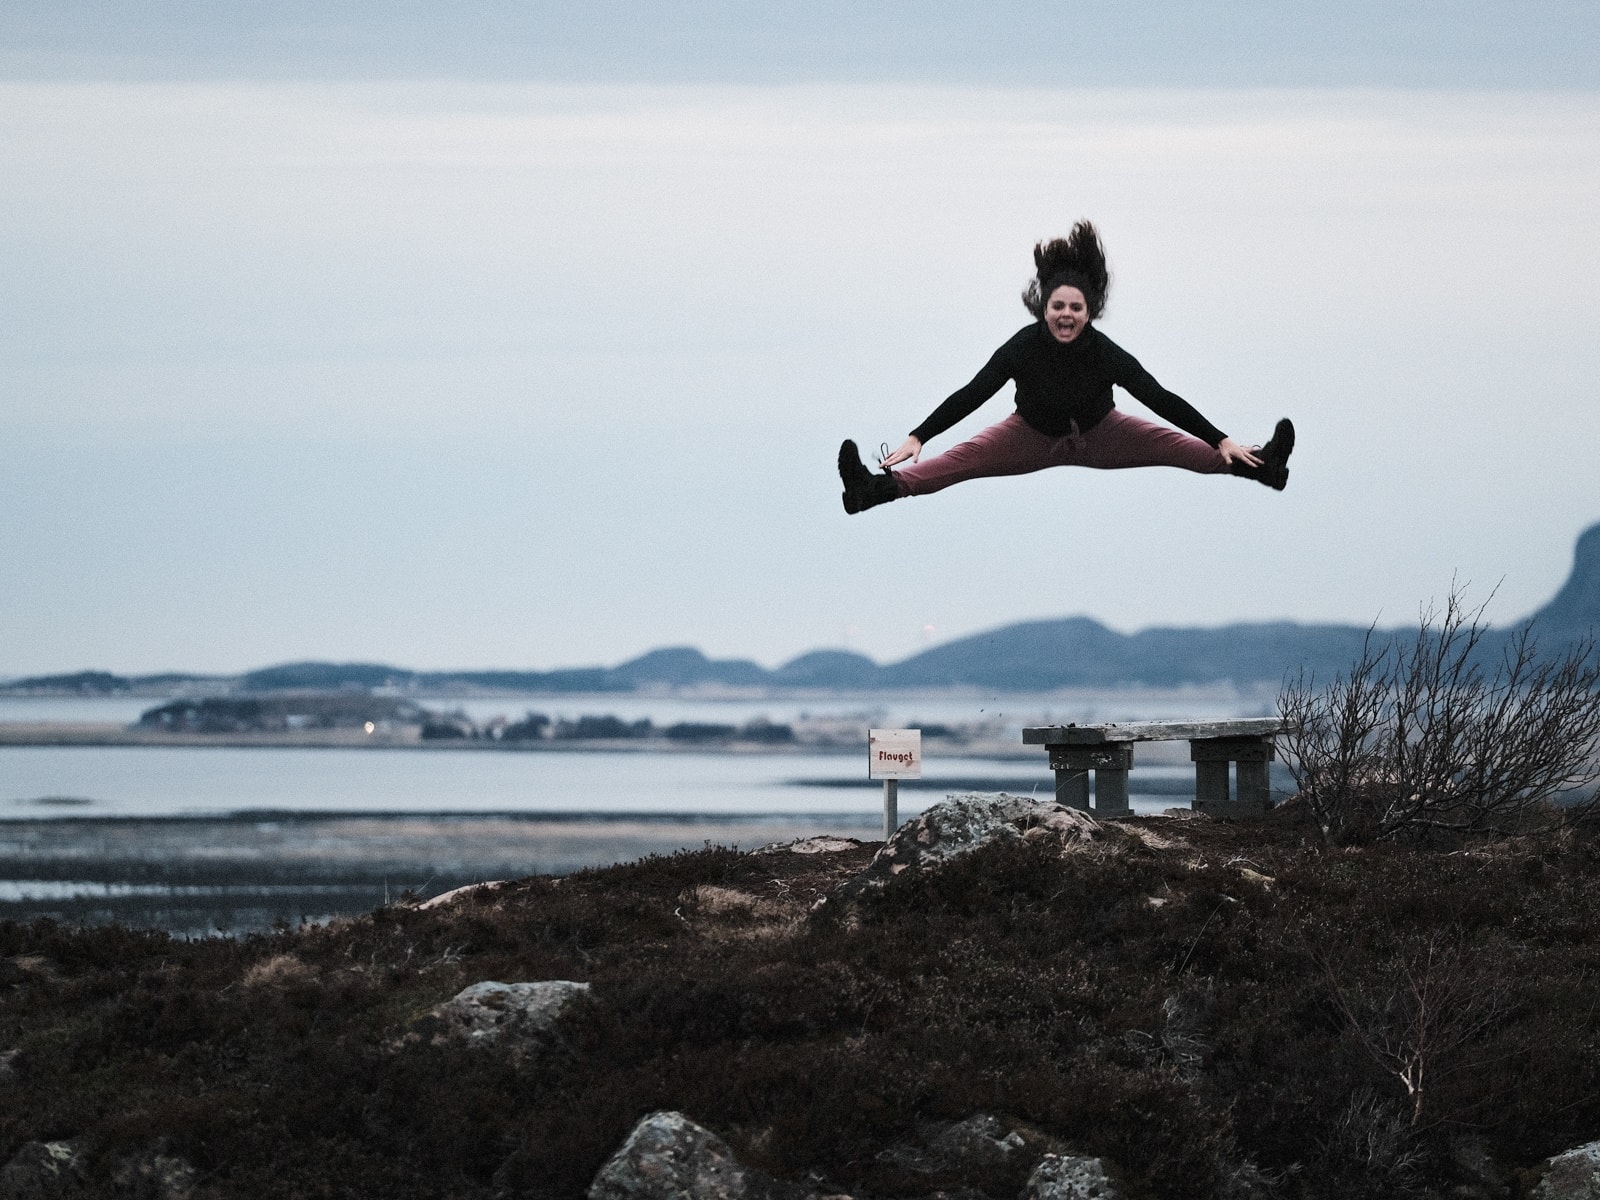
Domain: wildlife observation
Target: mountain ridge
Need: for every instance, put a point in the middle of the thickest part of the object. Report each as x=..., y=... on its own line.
x=1040, y=655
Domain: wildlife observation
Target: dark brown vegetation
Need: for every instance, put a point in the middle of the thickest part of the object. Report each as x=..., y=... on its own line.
x=1221, y=1010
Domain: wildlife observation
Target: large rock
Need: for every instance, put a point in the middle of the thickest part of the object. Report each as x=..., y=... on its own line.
x=44, y=1171
x=1574, y=1175
x=981, y=1152
x=669, y=1157
x=518, y=1018
x=58, y=1171
x=154, y=1174
x=1067, y=1177
x=960, y=824
x=821, y=844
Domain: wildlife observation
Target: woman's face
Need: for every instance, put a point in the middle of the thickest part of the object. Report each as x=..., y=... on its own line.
x=1066, y=314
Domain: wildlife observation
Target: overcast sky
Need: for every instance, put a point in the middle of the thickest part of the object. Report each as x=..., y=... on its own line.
x=525, y=338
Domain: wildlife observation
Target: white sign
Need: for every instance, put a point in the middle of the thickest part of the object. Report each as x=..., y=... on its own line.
x=894, y=754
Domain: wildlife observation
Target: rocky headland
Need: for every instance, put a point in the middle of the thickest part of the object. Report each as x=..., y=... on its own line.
x=1008, y=999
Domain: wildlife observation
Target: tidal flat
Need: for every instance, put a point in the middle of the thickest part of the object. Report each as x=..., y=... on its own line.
x=250, y=872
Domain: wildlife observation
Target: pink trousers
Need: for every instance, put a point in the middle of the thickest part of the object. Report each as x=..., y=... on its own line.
x=1013, y=447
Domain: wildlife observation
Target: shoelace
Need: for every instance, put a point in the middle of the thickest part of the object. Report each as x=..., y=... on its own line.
x=883, y=453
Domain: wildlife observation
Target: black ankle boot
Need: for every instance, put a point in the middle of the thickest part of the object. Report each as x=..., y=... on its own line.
x=1274, y=456
x=862, y=488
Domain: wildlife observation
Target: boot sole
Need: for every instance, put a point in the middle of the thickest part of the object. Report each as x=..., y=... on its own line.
x=853, y=474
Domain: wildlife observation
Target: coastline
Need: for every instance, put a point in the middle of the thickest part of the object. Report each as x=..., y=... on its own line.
x=247, y=872
x=63, y=733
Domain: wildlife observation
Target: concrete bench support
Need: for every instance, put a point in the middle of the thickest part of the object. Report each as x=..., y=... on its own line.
x=1110, y=763
x=1249, y=756
x=1245, y=745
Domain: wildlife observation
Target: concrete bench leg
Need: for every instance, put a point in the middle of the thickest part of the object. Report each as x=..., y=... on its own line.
x=1110, y=763
x=1213, y=756
x=1211, y=785
x=1072, y=789
x=1252, y=784
x=1111, y=793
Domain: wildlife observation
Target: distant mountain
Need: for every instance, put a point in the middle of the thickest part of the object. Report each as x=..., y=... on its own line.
x=84, y=683
x=323, y=677
x=1574, y=612
x=842, y=669
x=1028, y=656
x=104, y=683
x=1079, y=652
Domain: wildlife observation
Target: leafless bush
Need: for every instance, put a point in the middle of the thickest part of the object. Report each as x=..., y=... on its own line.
x=1419, y=1019
x=1419, y=739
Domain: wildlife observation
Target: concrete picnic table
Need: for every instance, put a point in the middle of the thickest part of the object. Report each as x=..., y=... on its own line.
x=1107, y=750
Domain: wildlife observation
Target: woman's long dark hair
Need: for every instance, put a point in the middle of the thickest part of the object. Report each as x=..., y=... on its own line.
x=1077, y=260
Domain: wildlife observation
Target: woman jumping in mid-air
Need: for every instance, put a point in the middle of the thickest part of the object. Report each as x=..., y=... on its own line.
x=1063, y=368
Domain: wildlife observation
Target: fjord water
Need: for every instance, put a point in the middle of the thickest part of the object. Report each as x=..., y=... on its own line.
x=196, y=839
x=153, y=782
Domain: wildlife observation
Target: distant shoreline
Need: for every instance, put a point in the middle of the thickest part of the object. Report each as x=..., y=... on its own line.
x=241, y=873
x=61, y=733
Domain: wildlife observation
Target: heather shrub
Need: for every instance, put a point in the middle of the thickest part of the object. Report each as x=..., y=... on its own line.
x=1321, y=1027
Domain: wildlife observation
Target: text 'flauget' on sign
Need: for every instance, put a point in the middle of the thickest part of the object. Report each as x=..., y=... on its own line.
x=894, y=754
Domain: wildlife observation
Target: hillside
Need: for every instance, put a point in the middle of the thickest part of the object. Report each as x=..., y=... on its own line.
x=1205, y=1009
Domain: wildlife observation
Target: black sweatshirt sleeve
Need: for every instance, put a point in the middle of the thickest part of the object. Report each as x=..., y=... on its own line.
x=965, y=401
x=1169, y=406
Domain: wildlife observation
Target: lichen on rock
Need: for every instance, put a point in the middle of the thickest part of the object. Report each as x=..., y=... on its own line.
x=517, y=1017
x=669, y=1157
x=964, y=822
x=44, y=1171
x=1069, y=1177
x=1574, y=1175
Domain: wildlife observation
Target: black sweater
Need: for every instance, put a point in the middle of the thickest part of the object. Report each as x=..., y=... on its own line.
x=1059, y=383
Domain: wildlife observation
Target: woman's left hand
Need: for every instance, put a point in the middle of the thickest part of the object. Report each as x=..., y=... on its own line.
x=1232, y=453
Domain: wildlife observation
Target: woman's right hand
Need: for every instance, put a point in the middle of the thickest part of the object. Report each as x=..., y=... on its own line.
x=910, y=449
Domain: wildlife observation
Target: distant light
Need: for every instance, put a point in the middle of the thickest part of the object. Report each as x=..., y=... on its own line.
x=370, y=727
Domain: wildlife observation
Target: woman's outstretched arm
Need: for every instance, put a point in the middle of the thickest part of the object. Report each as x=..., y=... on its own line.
x=959, y=405
x=1142, y=386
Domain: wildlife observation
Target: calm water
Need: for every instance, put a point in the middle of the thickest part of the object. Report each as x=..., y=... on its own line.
x=1013, y=711
x=67, y=781
x=201, y=839
x=119, y=781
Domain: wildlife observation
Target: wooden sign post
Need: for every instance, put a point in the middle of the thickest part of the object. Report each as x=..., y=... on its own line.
x=893, y=755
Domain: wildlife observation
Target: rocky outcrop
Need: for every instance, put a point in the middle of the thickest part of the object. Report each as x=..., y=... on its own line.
x=1574, y=611
x=455, y=895
x=44, y=1171
x=982, y=1153
x=669, y=1157
x=59, y=1171
x=154, y=1174
x=1067, y=1177
x=1574, y=1175
x=821, y=844
x=517, y=1018
x=960, y=824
